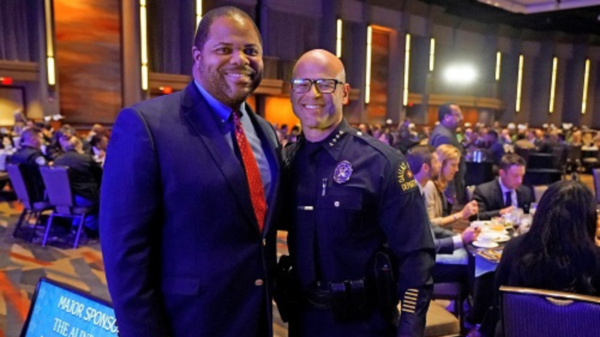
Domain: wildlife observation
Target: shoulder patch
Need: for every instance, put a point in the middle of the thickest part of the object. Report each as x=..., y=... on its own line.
x=405, y=177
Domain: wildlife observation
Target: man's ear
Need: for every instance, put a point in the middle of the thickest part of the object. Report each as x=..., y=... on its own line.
x=196, y=54
x=346, y=90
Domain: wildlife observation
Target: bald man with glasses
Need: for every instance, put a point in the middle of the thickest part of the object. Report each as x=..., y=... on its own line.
x=357, y=220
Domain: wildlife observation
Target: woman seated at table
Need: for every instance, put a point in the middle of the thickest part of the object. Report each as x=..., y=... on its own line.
x=437, y=206
x=559, y=252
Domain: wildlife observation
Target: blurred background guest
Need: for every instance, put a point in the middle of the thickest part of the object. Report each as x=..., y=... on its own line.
x=85, y=176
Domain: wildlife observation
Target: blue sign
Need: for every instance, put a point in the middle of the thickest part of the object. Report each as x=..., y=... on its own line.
x=60, y=311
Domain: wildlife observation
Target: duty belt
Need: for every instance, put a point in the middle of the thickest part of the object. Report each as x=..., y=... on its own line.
x=319, y=298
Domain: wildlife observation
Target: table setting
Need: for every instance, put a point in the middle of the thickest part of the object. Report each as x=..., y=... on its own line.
x=493, y=235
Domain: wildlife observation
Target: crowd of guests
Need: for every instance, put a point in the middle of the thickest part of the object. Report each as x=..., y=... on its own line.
x=560, y=252
x=37, y=144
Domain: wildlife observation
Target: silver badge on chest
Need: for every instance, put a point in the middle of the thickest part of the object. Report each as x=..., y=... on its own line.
x=342, y=172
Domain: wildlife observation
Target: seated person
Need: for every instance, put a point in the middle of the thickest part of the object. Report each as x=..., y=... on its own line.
x=31, y=158
x=84, y=175
x=424, y=163
x=435, y=201
x=559, y=252
x=98, y=144
x=493, y=146
x=500, y=196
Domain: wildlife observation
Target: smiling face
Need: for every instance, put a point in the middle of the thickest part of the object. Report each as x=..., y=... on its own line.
x=230, y=65
x=319, y=113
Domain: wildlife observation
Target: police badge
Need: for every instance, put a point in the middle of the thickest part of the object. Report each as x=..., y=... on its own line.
x=342, y=172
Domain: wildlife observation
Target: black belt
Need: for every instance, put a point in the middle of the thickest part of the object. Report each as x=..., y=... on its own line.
x=319, y=298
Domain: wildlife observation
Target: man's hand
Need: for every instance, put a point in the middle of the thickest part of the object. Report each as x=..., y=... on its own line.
x=469, y=235
x=506, y=210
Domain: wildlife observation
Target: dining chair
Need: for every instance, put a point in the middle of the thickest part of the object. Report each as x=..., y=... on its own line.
x=31, y=209
x=596, y=175
x=455, y=291
x=541, y=313
x=60, y=195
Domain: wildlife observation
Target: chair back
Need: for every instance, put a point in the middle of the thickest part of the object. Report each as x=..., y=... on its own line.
x=596, y=174
x=58, y=187
x=524, y=153
x=540, y=313
x=479, y=173
x=574, y=153
x=19, y=184
x=541, y=161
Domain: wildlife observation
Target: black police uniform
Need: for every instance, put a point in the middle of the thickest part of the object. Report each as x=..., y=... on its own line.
x=352, y=197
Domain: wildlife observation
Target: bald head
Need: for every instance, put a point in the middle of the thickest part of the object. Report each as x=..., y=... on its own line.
x=318, y=103
x=321, y=60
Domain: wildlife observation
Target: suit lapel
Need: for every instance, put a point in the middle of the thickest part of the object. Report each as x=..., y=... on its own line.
x=499, y=194
x=199, y=115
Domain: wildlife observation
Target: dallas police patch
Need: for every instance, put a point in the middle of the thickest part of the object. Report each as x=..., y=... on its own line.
x=406, y=178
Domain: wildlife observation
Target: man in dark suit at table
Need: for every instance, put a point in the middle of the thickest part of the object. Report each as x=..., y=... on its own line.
x=188, y=200
x=85, y=176
x=500, y=196
x=450, y=117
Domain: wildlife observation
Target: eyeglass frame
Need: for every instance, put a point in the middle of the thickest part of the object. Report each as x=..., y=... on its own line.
x=314, y=82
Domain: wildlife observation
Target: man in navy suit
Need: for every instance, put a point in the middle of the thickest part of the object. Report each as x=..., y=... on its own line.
x=502, y=195
x=187, y=207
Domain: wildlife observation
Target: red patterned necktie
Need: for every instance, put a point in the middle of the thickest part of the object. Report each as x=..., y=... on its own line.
x=257, y=192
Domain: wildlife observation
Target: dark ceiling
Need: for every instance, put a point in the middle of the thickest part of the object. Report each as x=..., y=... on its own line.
x=580, y=21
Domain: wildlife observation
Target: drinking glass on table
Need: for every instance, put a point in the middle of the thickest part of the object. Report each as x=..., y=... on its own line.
x=532, y=208
x=525, y=224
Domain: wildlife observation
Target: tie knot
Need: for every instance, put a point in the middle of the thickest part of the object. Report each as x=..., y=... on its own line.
x=236, y=115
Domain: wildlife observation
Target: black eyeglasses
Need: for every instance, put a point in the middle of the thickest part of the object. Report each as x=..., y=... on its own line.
x=323, y=85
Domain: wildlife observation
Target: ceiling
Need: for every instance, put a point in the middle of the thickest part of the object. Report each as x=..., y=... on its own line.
x=577, y=17
x=539, y=6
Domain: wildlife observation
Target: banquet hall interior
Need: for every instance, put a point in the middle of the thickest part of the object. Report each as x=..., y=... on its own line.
x=519, y=69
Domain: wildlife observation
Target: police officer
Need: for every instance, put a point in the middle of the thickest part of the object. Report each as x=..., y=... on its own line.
x=357, y=219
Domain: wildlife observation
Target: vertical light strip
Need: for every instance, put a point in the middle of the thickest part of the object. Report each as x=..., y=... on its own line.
x=553, y=84
x=406, y=68
x=338, y=38
x=144, y=43
x=498, y=65
x=519, y=84
x=199, y=12
x=50, y=64
x=431, y=54
x=368, y=65
x=586, y=78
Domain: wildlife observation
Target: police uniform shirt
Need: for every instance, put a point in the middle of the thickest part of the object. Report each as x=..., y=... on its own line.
x=352, y=195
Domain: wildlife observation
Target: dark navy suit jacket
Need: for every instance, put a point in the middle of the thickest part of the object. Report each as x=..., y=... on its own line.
x=181, y=245
x=490, y=199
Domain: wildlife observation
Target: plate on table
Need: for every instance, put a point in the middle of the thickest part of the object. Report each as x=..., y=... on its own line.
x=480, y=224
x=502, y=238
x=490, y=244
